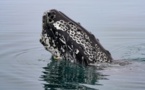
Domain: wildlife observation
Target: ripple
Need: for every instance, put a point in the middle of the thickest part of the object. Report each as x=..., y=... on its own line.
x=64, y=75
x=31, y=56
x=129, y=77
x=130, y=51
x=23, y=67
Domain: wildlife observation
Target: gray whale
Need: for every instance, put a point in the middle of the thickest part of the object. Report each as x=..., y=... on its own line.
x=65, y=38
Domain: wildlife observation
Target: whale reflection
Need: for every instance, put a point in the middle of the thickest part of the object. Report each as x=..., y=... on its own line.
x=63, y=75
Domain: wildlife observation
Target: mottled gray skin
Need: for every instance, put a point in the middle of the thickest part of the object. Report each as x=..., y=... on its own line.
x=65, y=38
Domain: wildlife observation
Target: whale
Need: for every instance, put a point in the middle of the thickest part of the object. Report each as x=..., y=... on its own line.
x=66, y=39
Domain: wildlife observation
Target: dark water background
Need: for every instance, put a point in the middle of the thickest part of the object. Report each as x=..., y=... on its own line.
x=25, y=65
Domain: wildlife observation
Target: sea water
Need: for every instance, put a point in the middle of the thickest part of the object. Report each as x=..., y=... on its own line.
x=26, y=65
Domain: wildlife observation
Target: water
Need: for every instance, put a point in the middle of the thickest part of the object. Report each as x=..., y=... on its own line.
x=25, y=65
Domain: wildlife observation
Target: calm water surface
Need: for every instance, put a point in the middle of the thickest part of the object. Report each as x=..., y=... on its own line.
x=25, y=65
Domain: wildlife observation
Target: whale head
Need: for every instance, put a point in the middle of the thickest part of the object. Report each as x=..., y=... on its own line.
x=65, y=38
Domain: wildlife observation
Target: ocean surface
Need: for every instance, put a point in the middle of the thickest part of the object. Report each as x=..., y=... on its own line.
x=26, y=65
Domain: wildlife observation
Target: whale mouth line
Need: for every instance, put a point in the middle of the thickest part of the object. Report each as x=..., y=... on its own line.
x=63, y=37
